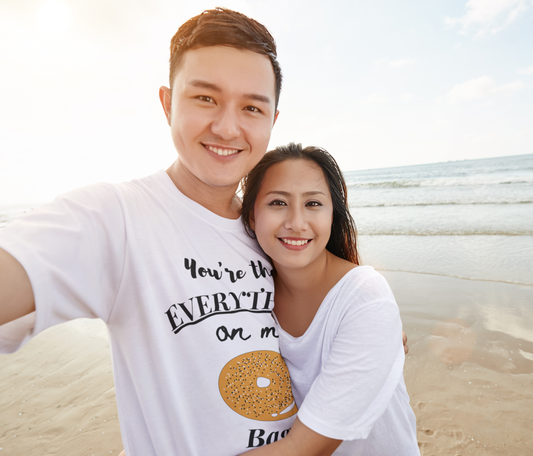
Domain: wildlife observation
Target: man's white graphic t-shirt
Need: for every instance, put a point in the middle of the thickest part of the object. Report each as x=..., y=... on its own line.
x=187, y=298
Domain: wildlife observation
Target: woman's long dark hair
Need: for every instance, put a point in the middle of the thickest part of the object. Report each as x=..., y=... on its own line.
x=343, y=239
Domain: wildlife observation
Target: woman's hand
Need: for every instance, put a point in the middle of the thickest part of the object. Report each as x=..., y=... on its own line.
x=405, y=347
x=300, y=441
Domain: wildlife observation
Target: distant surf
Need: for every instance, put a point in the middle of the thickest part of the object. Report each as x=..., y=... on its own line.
x=470, y=219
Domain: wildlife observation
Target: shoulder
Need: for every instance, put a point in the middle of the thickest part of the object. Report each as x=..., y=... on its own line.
x=90, y=207
x=109, y=197
x=365, y=278
x=93, y=194
x=363, y=286
x=93, y=204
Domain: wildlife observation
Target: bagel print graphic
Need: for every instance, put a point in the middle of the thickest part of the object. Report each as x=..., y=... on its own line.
x=257, y=385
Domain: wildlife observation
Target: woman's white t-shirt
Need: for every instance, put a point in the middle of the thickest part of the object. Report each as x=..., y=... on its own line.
x=347, y=369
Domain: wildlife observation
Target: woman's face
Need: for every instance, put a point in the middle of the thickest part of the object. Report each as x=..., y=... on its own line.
x=293, y=213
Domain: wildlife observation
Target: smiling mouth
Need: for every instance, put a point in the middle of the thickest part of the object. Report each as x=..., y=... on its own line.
x=295, y=242
x=223, y=152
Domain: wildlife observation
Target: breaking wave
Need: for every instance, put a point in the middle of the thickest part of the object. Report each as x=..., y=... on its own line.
x=442, y=182
x=435, y=203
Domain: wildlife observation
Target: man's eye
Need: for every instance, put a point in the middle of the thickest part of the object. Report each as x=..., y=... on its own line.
x=252, y=109
x=205, y=98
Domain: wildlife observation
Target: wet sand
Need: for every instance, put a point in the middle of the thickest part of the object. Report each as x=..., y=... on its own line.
x=469, y=374
x=469, y=371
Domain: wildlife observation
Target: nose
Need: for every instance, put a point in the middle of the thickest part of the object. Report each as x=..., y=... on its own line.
x=226, y=124
x=296, y=220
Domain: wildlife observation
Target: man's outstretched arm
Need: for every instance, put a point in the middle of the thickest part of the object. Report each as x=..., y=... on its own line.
x=16, y=294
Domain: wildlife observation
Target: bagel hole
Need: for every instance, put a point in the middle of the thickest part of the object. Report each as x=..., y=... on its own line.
x=262, y=382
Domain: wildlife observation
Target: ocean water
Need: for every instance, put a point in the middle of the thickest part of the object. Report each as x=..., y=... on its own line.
x=471, y=219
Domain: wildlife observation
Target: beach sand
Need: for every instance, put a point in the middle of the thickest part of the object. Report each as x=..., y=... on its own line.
x=469, y=373
x=57, y=395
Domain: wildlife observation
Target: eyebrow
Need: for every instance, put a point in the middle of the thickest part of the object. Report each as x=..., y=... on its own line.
x=209, y=85
x=280, y=192
x=205, y=85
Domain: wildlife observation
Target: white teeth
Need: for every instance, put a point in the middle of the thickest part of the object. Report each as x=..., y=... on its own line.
x=222, y=152
x=291, y=242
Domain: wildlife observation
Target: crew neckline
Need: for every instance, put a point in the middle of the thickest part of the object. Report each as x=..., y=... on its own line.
x=210, y=217
x=359, y=269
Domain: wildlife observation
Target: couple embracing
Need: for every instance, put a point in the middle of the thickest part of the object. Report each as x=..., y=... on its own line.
x=183, y=273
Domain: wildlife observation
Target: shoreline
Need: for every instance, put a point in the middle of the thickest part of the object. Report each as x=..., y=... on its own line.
x=502, y=259
x=470, y=279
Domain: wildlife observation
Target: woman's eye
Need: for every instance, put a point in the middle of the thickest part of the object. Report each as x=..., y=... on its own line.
x=314, y=203
x=277, y=203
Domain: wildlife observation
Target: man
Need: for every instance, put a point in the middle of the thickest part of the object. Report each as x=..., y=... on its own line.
x=165, y=262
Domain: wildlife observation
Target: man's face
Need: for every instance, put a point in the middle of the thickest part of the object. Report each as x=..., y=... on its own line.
x=222, y=110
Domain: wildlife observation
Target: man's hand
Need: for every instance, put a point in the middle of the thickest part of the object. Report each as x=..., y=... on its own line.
x=16, y=294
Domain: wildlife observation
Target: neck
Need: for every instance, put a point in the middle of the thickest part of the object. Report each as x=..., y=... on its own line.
x=302, y=283
x=300, y=292
x=221, y=201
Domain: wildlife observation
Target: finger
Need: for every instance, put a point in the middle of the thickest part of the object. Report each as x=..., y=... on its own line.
x=405, y=346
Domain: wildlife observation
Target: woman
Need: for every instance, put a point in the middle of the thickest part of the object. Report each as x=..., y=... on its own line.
x=339, y=326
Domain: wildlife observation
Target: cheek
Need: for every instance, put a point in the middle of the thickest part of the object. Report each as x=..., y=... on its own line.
x=327, y=232
x=259, y=136
x=178, y=125
x=265, y=225
x=190, y=119
x=260, y=225
x=326, y=227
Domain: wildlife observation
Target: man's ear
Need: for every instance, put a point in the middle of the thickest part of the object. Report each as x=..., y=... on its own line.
x=166, y=101
x=275, y=117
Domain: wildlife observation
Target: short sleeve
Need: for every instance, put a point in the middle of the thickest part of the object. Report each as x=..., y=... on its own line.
x=363, y=368
x=73, y=251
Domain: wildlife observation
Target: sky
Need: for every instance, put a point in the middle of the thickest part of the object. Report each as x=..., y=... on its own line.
x=378, y=83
